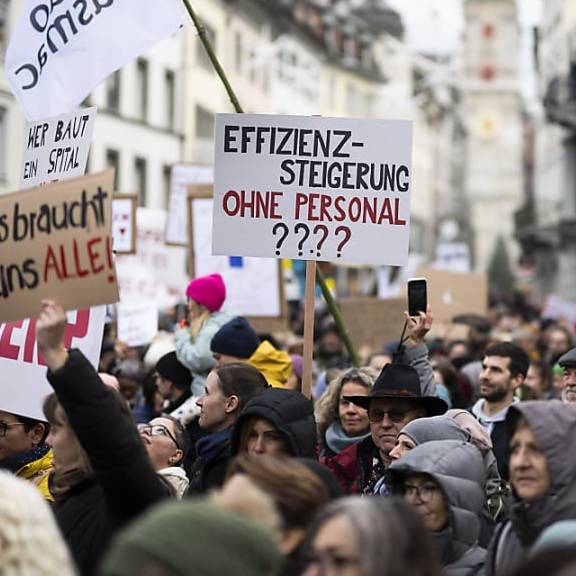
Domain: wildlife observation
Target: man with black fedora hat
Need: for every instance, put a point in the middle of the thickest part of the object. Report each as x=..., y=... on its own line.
x=394, y=401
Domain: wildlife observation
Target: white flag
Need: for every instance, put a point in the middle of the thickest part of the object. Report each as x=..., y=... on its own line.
x=61, y=50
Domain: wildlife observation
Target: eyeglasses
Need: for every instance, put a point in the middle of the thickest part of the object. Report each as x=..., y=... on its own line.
x=396, y=416
x=4, y=426
x=336, y=563
x=424, y=492
x=157, y=430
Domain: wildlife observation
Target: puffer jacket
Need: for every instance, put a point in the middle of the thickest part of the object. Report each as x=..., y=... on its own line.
x=290, y=412
x=195, y=353
x=276, y=365
x=38, y=472
x=553, y=424
x=457, y=467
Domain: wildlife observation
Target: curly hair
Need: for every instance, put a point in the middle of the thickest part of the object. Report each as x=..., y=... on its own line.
x=327, y=404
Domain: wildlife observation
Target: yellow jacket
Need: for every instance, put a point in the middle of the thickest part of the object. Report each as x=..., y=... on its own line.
x=38, y=473
x=274, y=364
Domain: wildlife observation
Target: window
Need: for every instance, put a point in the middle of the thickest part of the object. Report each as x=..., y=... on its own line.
x=170, y=89
x=204, y=123
x=113, y=162
x=142, y=89
x=201, y=56
x=3, y=143
x=238, y=51
x=113, y=92
x=140, y=180
x=3, y=26
x=166, y=178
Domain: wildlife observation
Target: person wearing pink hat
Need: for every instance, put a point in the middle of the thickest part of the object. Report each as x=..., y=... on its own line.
x=206, y=296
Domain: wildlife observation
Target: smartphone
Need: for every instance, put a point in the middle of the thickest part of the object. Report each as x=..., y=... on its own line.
x=417, y=296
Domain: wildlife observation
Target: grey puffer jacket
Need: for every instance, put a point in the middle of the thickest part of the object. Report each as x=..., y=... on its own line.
x=458, y=468
x=553, y=424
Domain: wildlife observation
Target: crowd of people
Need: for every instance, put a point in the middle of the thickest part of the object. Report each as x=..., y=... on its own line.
x=200, y=455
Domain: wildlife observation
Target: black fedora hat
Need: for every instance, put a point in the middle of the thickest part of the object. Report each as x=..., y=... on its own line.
x=400, y=382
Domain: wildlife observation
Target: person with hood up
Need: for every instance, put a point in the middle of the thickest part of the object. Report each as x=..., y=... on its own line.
x=444, y=482
x=237, y=341
x=206, y=296
x=543, y=477
x=278, y=422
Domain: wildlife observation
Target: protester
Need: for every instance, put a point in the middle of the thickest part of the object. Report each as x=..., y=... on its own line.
x=543, y=478
x=504, y=369
x=228, y=389
x=23, y=450
x=568, y=364
x=277, y=422
x=102, y=475
x=237, y=341
x=206, y=296
x=358, y=537
x=539, y=379
x=173, y=380
x=444, y=482
x=30, y=543
x=342, y=423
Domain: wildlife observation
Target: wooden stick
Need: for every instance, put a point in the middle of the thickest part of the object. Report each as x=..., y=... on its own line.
x=309, y=327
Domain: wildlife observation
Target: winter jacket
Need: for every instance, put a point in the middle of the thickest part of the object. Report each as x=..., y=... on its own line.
x=458, y=469
x=195, y=353
x=209, y=469
x=276, y=365
x=554, y=427
x=177, y=479
x=290, y=412
x=123, y=485
x=38, y=472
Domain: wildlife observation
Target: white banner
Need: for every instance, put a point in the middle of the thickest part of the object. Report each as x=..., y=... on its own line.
x=60, y=50
x=57, y=148
x=312, y=188
x=137, y=322
x=24, y=385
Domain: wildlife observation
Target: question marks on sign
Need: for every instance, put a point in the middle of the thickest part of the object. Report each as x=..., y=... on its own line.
x=324, y=229
x=284, y=228
x=297, y=229
x=344, y=241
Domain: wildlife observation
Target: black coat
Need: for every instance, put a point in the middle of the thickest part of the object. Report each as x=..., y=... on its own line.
x=124, y=483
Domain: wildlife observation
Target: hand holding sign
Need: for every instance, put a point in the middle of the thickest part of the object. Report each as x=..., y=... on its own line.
x=50, y=329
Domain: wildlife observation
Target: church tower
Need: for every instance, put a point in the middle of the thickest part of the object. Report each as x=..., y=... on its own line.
x=493, y=116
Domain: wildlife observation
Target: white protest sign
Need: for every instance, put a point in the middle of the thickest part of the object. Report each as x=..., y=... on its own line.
x=61, y=49
x=452, y=256
x=137, y=322
x=558, y=308
x=252, y=284
x=124, y=223
x=57, y=148
x=312, y=188
x=183, y=175
x=24, y=385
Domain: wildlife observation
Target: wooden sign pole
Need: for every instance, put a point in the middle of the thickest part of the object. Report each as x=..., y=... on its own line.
x=309, y=312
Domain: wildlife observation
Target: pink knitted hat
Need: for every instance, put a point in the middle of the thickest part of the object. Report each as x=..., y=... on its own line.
x=209, y=291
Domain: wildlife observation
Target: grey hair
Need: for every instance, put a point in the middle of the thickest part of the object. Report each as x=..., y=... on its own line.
x=387, y=533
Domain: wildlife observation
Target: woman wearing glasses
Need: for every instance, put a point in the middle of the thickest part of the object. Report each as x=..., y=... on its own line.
x=444, y=482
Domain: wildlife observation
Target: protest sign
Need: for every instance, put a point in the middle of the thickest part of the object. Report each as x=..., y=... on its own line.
x=452, y=256
x=182, y=176
x=558, y=308
x=24, y=385
x=253, y=285
x=124, y=223
x=312, y=188
x=57, y=148
x=137, y=322
x=451, y=293
x=55, y=243
x=59, y=51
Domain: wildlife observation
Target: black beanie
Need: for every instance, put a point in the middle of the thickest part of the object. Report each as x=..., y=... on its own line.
x=169, y=368
x=236, y=338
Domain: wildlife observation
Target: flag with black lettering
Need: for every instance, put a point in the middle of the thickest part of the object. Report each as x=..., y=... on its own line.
x=60, y=50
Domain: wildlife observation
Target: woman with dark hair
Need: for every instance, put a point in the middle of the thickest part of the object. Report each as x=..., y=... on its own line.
x=369, y=537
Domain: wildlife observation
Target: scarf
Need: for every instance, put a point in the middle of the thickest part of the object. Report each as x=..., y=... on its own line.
x=209, y=447
x=337, y=440
x=14, y=463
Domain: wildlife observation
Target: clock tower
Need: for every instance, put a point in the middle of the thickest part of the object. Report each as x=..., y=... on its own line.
x=493, y=116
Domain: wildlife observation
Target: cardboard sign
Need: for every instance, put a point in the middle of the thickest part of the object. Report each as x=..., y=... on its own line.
x=183, y=175
x=57, y=148
x=451, y=293
x=124, y=223
x=253, y=285
x=312, y=188
x=55, y=243
x=24, y=385
x=137, y=322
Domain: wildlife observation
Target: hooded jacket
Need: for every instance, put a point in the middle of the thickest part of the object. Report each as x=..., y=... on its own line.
x=38, y=472
x=290, y=412
x=276, y=365
x=553, y=424
x=458, y=469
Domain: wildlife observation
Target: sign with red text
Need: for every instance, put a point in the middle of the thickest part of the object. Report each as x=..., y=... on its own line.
x=55, y=242
x=57, y=148
x=24, y=385
x=312, y=188
x=124, y=223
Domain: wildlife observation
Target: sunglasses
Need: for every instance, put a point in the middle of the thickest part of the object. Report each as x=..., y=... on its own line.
x=157, y=430
x=396, y=416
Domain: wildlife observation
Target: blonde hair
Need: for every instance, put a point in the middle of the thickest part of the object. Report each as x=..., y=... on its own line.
x=201, y=315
